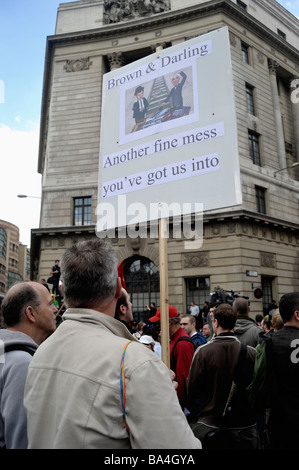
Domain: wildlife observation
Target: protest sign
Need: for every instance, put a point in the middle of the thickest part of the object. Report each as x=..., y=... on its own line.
x=169, y=134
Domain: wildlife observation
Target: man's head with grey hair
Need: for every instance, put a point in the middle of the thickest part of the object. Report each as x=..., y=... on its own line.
x=89, y=271
x=241, y=306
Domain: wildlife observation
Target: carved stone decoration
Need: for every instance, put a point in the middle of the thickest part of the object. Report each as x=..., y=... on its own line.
x=116, y=60
x=77, y=65
x=195, y=260
x=158, y=46
x=135, y=243
x=232, y=39
x=216, y=229
x=231, y=228
x=61, y=241
x=268, y=260
x=124, y=10
x=35, y=269
x=260, y=58
x=273, y=66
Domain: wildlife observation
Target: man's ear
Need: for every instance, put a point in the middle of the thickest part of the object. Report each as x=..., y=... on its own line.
x=296, y=315
x=122, y=308
x=30, y=314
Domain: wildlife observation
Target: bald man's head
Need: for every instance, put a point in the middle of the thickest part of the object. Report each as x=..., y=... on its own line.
x=17, y=299
x=28, y=308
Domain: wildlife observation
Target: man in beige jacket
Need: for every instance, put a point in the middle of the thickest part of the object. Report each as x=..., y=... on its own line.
x=74, y=388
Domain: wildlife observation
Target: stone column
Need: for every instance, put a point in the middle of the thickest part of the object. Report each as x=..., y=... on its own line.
x=273, y=66
x=158, y=47
x=116, y=60
x=294, y=86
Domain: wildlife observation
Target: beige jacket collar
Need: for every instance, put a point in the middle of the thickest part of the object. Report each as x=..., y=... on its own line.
x=90, y=316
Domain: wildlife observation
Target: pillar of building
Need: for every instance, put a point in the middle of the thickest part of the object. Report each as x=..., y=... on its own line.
x=294, y=86
x=116, y=60
x=273, y=66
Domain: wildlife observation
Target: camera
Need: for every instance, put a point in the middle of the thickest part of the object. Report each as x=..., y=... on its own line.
x=221, y=296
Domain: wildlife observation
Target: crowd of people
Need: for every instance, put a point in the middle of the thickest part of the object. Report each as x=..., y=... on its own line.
x=232, y=382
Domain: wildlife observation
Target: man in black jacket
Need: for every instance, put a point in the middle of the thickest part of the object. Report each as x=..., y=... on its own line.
x=214, y=367
x=279, y=363
x=55, y=271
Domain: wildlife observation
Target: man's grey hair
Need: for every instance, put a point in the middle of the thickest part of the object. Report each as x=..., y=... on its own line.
x=178, y=76
x=89, y=272
x=175, y=320
x=241, y=306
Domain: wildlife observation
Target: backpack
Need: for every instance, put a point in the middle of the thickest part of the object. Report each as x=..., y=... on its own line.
x=263, y=388
x=198, y=339
x=182, y=338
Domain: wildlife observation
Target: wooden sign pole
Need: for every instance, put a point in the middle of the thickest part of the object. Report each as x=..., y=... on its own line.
x=163, y=266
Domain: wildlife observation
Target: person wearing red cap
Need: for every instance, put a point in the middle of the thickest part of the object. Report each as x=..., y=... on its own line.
x=181, y=352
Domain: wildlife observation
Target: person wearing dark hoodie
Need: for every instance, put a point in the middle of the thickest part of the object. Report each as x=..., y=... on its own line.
x=245, y=329
x=29, y=318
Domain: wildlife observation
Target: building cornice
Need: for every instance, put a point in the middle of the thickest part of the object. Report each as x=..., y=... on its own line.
x=250, y=217
x=173, y=17
x=221, y=218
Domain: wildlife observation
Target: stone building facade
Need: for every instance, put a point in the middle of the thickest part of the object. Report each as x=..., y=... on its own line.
x=245, y=247
x=14, y=257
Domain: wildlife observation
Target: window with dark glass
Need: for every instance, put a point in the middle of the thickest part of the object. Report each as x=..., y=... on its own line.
x=242, y=5
x=245, y=52
x=3, y=242
x=141, y=277
x=82, y=211
x=254, y=148
x=2, y=269
x=250, y=99
x=260, y=195
x=12, y=278
x=281, y=34
x=197, y=291
x=267, y=283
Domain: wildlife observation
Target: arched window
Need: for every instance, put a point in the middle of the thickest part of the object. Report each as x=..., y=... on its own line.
x=142, y=283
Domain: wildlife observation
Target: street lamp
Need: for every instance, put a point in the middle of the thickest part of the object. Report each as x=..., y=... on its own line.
x=25, y=195
x=292, y=166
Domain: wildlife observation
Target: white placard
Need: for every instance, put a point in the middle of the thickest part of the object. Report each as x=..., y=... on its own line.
x=183, y=149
